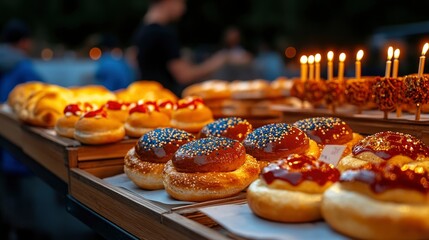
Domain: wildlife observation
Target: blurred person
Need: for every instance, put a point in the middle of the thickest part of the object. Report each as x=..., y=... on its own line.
x=269, y=62
x=113, y=72
x=159, y=56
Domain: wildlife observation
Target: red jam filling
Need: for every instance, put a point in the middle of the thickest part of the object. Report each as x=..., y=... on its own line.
x=72, y=108
x=189, y=103
x=298, y=168
x=384, y=176
x=145, y=108
x=166, y=104
x=389, y=144
x=96, y=113
x=114, y=105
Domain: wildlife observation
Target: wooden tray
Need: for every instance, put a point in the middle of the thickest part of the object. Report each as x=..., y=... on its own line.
x=369, y=122
x=138, y=216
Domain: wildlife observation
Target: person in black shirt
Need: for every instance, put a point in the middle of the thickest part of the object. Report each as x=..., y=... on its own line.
x=158, y=47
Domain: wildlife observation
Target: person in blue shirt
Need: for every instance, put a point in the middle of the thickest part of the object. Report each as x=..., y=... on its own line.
x=15, y=68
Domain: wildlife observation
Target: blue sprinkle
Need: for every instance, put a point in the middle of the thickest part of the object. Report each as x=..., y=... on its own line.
x=162, y=136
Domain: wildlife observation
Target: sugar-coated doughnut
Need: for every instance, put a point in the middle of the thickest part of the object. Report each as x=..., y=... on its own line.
x=209, y=168
x=290, y=190
x=393, y=147
x=96, y=128
x=380, y=201
x=278, y=140
x=232, y=127
x=145, y=162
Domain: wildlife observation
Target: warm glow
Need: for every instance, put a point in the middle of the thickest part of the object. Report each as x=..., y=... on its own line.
x=317, y=58
x=425, y=48
x=290, y=52
x=396, y=53
x=95, y=53
x=47, y=54
x=359, y=55
x=342, y=57
x=330, y=56
x=303, y=59
x=310, y=59
x=390, y=53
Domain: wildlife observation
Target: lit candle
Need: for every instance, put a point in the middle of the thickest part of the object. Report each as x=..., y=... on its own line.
x=342, y=58
x=389, y=62
x=317, y=59
x=311, y=67
x=303, y=61
x=396, y=63
x=330, y=65
x=422, y=59
x=359, y=56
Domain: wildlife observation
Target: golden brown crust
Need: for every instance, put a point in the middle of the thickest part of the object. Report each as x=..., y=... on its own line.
x=65, y=126
x=191, y=120
x=94, y=94
x=98, y=130
x=139, y=123
x=283, y=205
x=19, y=95
x=146, y=175
x=211, y=185
x=362, y=217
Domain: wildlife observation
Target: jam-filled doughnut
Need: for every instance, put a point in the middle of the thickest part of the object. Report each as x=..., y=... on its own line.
x=329, y=130
x=145, y=162
x=166, y=106
x=95, y=127
x=72, y=113
x=209, y=168
x=191, y=115
x=232, y=127
x=380, y=201
x=290, y=190
x=144, y=118
x=391, y=147
x=117, y=110
x=276, y=141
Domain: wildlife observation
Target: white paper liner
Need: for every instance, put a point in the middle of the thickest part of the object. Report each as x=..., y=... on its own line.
x=240, y=220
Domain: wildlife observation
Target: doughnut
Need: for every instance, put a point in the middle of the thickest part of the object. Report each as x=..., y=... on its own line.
x=250, y=89
x=145, y=162
x=391, y=147
x=329, y=130
x=290, y=190
x=211, y=89
x=65, y=126
x=379, y=201
x=232, y=127
x=191, y=115
x=388, y=93
x=315, y=91
x=282, y=85
x=166, y=106
x=95, y=94
x=117, y=110
x=144, y=118
x=209, y=168
x=417, y=88
x=95, y=127
x=278, y=140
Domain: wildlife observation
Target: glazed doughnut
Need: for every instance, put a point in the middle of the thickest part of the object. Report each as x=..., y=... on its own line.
x=95, y=127
x=72, y=113
x=379, y=201
x=209, y=168
x=145, y=162
x=232, y=127
x=278, y=140
x=391, y=147
x=329, y=130
x=290, y=190
x=417, y=89
x=144, y=118
x=191, y=115
x=166, y=106
x=117, y=110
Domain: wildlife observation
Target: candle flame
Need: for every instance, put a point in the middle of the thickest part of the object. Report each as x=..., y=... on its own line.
x=317, y=58
x=310, y=59
x=330, y=55
x=359, y=55
x=390, y=53
x=303, y=59
x=396, y=53
x=425, y=48
x=342, y=57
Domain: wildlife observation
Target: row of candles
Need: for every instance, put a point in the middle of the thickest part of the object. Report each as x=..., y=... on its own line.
x=310, y=66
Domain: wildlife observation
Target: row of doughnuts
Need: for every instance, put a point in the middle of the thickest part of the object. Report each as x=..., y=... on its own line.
x=227, y=153
x=114, y=120
x=42, y=104
x=380, y=190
